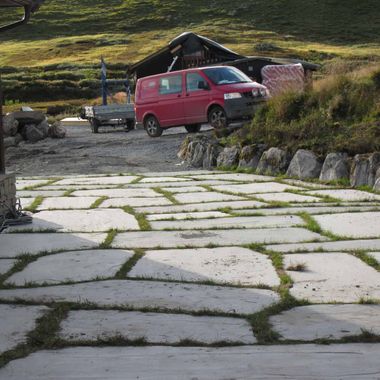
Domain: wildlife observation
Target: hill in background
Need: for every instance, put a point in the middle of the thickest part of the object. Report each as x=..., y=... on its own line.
x=56, y=56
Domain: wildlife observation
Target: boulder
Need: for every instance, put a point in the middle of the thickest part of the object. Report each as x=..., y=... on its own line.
x=304, y=165
x=18, y=138
x=273, y=161
x=198, y=152
x=250, y=156
x=32, y=133
x=229, y=157
x=29, y=117
x=9, y=141
x=211, y=157
x=364, y=169
x=56, y=131
x=335, y=167
x=10, y=125
x=182, y=153
x=43, y=127
x=376, y=187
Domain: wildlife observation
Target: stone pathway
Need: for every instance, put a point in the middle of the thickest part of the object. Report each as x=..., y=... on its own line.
x=194, y=275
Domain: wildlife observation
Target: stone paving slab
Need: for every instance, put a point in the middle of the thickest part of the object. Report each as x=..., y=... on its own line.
x=6, y=265
x=255, y=188
x=151, y=294
x=163, y=179
x=73, y=266
x=15, y=323
x=232, y=265
x=12, y=245
x=40, y=193
x=333, y=277
x=231, y=222
x=288, y=197
x=135, y=202
x=190, y=183
x=80, y=187
x=354, y=225
x=155, y=328
x=179, y=239
x=376, y=256
x=26, y=202
x=208, y=196
x=117, y=193
x=186, y=189
x=111, y=180
x=311, y=185
x=195, y=207
x=234, y=177
x=67, y=203
x=327, y=321
x=187, y=215
x=347, y=194
x=314, y=362
x=99, y=220
x=22, y=184
x=314, y=210
x=333, y=246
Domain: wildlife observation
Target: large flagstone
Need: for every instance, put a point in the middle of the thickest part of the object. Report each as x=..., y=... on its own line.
x=231, y=222
x=135, y=202
x=327, y=321
x=347, y=194
x=154, y=327
x=208, y=196
x=15, y=323
x=296, y=362
x=253, y=188
x=229, y=265
x=179, y=239
x=67, y=203
x=151, y=294
x=332, y=277
x=109, y=180
x=6, y=265
x=13, y=245
x=72, y=266
x=97, y=220
x=117, y=193
x=187, y=215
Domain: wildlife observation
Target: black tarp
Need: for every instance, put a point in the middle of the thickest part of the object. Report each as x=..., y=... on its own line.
x=194, y=50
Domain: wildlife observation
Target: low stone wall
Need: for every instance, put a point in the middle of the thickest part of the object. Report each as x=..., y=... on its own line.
x=7, y=192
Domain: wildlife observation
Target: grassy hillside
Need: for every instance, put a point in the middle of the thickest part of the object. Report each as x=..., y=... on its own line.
x=62, y=44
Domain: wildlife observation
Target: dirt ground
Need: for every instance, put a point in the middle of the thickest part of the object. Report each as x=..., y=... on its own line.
x=110, y=151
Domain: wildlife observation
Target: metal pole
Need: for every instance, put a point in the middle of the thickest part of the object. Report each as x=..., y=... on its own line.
x=2, y=147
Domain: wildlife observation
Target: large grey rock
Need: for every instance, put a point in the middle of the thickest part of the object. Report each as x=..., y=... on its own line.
x=9, y=141
x=297, y=362
x=198, y=152
x=210, y=159
x=28, y=116
x=304, y=164
x=56, y=131
x=376, y=186
x=43, y=127
x=273, y=161
x=229, y=157
x=10, y=125
x=250, y=156
x=32, y=133
x=364, y=169
x=335, y=167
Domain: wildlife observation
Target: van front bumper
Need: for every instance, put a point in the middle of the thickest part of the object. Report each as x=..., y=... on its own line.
x=242, y=108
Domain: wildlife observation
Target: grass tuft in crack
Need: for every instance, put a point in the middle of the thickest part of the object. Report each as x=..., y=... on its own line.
x=36, y=203
x=98, y=202
x=123, y=271
x=141, y=218
x=167, y=194
x=108, y=240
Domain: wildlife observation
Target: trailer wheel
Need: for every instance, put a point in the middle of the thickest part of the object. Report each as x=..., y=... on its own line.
x=94, y=125
x=152, y=126
x=193, y=128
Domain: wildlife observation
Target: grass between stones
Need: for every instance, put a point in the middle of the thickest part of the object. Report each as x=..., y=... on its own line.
x=35, y=204
x=167, y=194
x=141, y=218
x=68, y=193
x=136, y=180
x=49, y=182
x=109, y=239
x=98, y=202
x=367, y=259
x=123, y=271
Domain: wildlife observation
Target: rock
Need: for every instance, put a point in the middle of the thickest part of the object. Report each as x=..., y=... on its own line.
x=364, y=168
x=250, y=156
x=43, y=127
x=56, y=131
x=211, y=157
x=376, y=187
x=29, y=117
x=32, y=133
x=335, y=167
x=10, y=125
x=183, y=149
x=374, y=167
x=273, y=161
x=304, y=165
x=18, y=138
x=198, y=155
x=9, y=141
x=229, y=157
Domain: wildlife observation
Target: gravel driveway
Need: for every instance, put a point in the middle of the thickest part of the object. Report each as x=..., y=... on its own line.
x=110, y=151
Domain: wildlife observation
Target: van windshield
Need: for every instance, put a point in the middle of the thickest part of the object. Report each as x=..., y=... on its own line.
x=226, y=75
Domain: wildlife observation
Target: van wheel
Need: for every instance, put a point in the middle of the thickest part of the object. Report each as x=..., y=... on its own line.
x=217, y=117
x=152, y=126
x=193, y=128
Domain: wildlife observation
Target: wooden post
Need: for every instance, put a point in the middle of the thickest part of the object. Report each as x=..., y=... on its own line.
x=2, y=147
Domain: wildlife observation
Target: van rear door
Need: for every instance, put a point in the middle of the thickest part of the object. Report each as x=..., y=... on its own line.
x=169, y=109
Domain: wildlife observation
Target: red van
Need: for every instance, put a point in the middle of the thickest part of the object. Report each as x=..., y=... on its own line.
x=191, y=97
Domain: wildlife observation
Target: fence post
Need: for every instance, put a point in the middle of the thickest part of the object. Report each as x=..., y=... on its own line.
x=2, y=147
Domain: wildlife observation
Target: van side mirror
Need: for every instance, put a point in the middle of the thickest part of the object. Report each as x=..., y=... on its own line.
x=203, y=86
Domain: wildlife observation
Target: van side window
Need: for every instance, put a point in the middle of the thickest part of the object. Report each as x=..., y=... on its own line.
x=192, y=82
x=148, y=88
x=171, y=85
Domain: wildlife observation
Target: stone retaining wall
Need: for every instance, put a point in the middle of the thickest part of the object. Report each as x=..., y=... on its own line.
x=7, y=192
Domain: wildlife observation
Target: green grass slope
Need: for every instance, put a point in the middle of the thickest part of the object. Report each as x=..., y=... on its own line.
x=61, y=46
